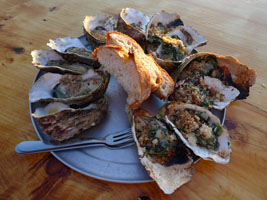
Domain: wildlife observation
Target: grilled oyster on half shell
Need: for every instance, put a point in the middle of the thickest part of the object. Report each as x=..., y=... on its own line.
x=162, y=153
x=50, y=61
x=70, y=89
x=170, y=41
x=73, y=50
x=212, y=80
x=199, y=130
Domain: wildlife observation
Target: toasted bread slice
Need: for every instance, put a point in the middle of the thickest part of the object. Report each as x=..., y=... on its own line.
x=166, y=87
x=148, y=61
x=129, y=71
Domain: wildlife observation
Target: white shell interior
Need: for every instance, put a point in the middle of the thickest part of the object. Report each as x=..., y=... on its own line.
x=164, y=17
x=41, y=57
x=230, y=93
x=42, y=88
x=131, y=15
x=180, y=31
x=61, y=44
x=91, y=22
x=51, y=108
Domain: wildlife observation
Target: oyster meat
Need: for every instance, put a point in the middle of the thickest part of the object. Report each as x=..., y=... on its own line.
x=70, y=89
x=199, y=130
x=50, y=61
x=73, y=50
x=96, y=28
x=133, y=23
x=62, y=122
x=162, y=153
x=212, y=80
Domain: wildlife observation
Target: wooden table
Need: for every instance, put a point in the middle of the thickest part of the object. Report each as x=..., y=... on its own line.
x=237, y=28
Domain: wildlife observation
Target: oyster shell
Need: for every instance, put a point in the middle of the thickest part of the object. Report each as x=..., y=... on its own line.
x=133, y=23
x=221, y=74
x=190, y=37
x=170, y=41
x=199, y=130
x=62, y=122
x=73, y=50
x=168, y=52
x=164, y=156
x=50, y=61
x=163, y=22
x=96, y=28
x=70, y=89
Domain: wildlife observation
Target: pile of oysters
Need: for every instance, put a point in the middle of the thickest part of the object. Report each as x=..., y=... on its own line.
x=69, y=95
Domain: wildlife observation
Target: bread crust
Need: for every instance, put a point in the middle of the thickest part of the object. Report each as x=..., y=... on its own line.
x=144, y=89
x=155, y=74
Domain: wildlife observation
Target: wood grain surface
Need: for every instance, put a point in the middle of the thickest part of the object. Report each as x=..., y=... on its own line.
x=237, y=28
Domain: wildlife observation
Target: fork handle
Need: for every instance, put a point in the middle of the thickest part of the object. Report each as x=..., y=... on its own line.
x=28, y=147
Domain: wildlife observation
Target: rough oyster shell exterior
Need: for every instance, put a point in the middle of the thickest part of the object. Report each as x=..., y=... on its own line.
x=61, y=122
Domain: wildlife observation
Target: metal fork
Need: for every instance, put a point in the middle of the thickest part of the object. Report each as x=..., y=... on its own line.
x=118, y=140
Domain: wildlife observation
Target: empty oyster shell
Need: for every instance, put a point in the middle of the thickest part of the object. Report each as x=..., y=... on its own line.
x=73, y=50
x=162, y=22
x=70, y=89
x=199, y=130
x=50, y=61
x=221, y=75
x=133, y=23
x=96, y=28
x=62, y=122
x=162, y=153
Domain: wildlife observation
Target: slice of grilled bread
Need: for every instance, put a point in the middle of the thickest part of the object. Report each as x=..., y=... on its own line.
x=152, y=68
x=166, y=87
x=129, y=71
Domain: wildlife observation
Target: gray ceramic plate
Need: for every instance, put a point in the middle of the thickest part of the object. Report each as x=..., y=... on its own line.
x=120, y=165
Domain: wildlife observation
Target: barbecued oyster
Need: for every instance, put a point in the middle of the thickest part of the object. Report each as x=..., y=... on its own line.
x=212, y=80
x=199, y=130
x=50, y=61
x=96, y=28
x=73, y=50
x=170, y=41
x=162, y=153
x=70, y=89
x=62, y=122
x=133, y=23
